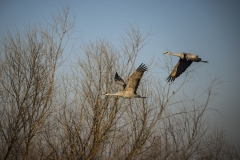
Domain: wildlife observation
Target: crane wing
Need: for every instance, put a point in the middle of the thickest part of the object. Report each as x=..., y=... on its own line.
x=135, y=78
x=180, y=67
x=119, y=82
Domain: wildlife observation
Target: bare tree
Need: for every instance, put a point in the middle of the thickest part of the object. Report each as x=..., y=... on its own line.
x=28, y=67
x=45, y=115
x=217, y=146
x=169, y=124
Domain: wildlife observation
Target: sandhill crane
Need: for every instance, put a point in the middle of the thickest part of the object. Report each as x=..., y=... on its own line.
x=129, y=90
x=184, y=62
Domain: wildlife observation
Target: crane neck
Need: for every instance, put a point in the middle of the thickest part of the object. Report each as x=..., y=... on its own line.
x=181, y=55
x=113, y=94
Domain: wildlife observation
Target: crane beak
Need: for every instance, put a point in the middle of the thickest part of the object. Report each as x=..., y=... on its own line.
x=105, y=93
x=164, y=53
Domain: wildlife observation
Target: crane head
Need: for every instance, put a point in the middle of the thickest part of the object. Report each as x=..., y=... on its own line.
x=168, y=53
x=106, y=94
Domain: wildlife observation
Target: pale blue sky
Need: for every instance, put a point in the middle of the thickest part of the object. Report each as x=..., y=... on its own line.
x=209, y=28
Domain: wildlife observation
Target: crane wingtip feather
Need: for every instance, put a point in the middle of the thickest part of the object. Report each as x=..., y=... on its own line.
x=170, y=79
x=142, y=68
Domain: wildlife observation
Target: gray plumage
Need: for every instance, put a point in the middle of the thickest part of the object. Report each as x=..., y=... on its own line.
x=184, y=62
x=129, y=90
x=119, y=82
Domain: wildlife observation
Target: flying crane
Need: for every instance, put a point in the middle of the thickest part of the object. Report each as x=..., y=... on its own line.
x=129, y=90
x=184, y=62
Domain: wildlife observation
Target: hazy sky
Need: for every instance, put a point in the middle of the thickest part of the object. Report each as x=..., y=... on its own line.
x=209, y=28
